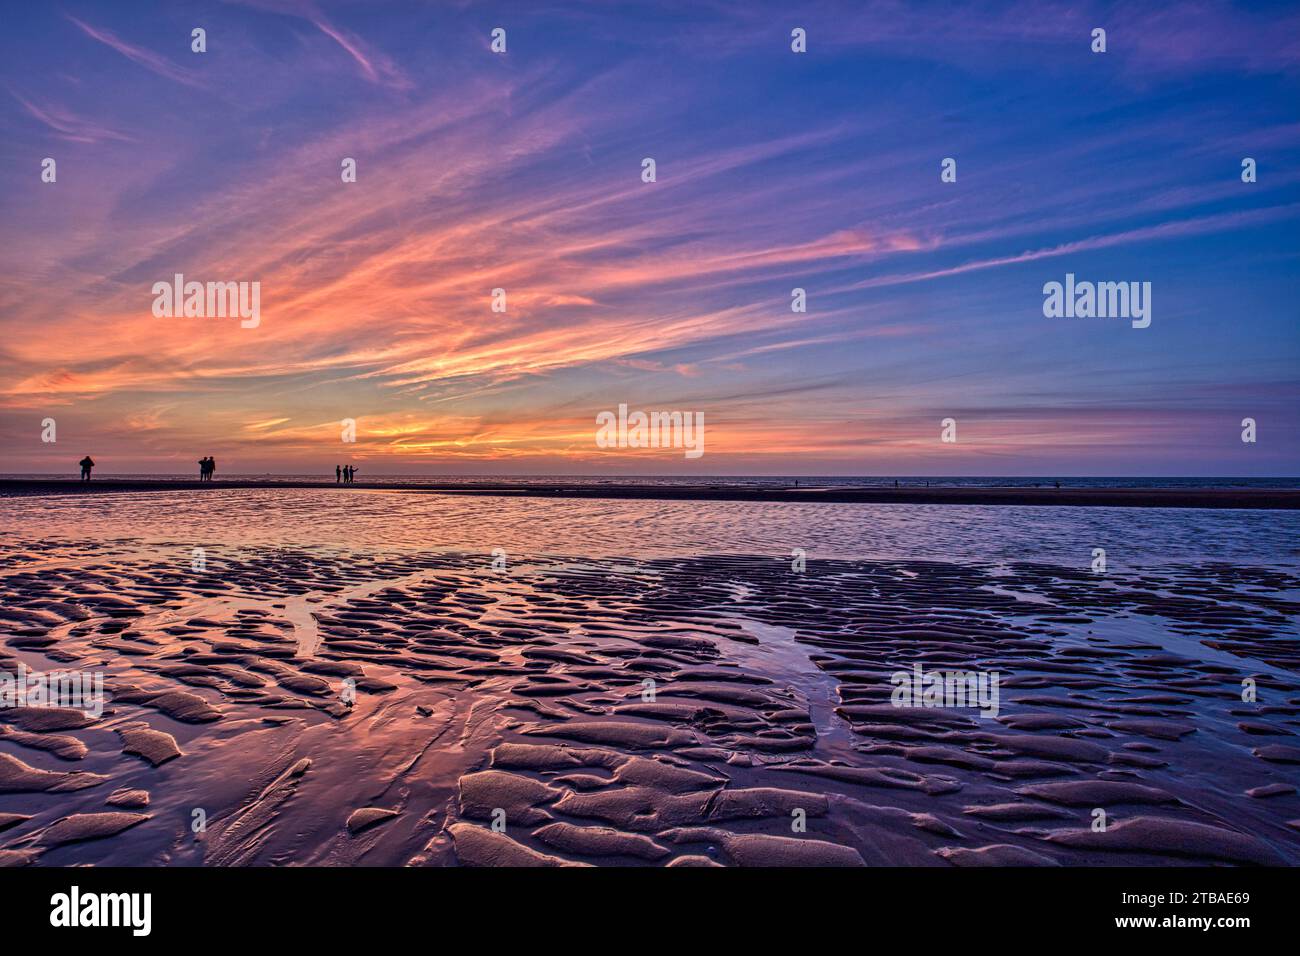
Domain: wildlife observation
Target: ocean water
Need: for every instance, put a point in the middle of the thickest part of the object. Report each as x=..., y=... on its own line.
x=397, y=521
x=762, y=481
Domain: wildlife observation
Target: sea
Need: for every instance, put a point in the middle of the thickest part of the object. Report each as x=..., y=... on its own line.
x=394, y=520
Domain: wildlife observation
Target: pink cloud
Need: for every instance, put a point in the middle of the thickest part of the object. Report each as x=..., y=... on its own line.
x=145, y=58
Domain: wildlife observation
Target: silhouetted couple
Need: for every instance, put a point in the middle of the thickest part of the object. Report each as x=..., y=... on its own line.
x=86, y=464
x=344, y=474
x=207, y=467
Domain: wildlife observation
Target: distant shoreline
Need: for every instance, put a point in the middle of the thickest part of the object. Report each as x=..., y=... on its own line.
x=1247, y=498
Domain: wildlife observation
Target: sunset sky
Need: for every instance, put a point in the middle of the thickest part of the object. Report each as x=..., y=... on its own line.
x=775, y=170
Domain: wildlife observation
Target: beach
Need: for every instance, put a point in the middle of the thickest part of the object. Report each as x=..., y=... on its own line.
x=1139, y=497
x=424, y=678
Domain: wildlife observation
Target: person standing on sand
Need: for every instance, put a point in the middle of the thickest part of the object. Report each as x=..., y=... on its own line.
x=338, y=474
x=212, y=467
x=86, y=464
x=203, y=469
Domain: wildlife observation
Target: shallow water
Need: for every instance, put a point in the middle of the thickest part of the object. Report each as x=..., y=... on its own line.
x=1131, y=537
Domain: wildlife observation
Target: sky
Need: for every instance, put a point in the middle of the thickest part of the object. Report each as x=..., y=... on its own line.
x=774, y=170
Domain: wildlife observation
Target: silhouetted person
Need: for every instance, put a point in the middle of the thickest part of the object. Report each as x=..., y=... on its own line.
x=338, y=474
x=895, y=482
x=352, y=474
x=203, y=469
x=86, y=464
x=212, y=467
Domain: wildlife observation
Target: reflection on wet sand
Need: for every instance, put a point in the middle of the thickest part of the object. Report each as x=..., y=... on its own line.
x=667, y=710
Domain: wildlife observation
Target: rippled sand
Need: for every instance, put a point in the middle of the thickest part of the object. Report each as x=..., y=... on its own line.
x=506, y=717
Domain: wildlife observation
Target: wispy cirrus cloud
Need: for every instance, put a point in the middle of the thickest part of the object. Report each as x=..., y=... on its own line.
x=68, y=125
x=374, y=65
x=151, y=61
x=1197, y=226
x=1148, y=40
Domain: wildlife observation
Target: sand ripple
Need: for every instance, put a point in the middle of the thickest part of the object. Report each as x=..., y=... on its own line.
x=316, y=706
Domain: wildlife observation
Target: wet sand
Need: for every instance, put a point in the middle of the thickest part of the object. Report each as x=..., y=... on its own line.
x=1252, y=498
x=684, y=711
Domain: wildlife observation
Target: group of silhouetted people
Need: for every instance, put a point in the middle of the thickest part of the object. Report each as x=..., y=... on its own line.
x=343, y=474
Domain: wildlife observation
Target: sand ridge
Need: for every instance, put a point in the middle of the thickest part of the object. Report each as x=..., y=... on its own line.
x=671, y=711
x=914, y=493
